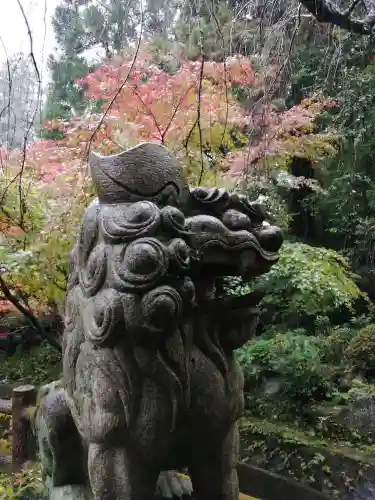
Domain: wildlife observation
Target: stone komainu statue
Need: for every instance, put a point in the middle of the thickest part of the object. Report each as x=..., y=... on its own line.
x=150, y=382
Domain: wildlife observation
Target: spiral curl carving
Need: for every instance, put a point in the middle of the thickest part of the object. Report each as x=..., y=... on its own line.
x=92, y=274
x=236, y=221
x=126, y=222
x=254, y=210
x=73, y=269
x=139, y=265
x=213, y=199
x=161, y=308
x=179, y=254
x=187, y=290
x=71, y=311
x=102, y=314
x=173, y=220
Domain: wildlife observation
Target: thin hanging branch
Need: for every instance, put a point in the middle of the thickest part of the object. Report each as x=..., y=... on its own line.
x=325, y=11
x=33, y=320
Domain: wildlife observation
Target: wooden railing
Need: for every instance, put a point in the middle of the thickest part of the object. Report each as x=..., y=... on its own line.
x=254, y=482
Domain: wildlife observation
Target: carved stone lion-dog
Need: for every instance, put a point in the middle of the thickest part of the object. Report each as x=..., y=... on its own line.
x=150, y=382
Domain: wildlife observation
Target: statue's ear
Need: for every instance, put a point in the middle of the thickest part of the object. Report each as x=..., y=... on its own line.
x=140, y=173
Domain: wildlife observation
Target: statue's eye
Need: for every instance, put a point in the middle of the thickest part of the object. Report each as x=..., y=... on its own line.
x=236, y=221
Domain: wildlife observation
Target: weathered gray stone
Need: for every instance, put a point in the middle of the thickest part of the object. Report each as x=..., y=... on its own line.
x=150, y=381
x=359, y=413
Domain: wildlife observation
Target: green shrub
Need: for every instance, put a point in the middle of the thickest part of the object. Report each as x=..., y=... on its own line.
x=308, y=282
x=235, y=286
x=38, y=366
x=22, y=485
x=334, y=345
x=274, y=203
x=294, y=359
x=361, y=349
x=308, y=288
x=255, y=359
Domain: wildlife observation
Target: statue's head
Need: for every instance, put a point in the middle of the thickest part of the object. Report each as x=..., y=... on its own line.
x=151, y=249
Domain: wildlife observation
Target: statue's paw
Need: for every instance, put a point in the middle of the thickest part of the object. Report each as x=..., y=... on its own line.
x=58, y=440
x=172, y=484
x=47, y=388
x=70, y=492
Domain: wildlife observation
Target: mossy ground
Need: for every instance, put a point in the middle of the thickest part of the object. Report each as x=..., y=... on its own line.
x=332, y=467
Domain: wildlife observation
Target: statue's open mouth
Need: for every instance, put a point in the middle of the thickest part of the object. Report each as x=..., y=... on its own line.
x=222, y=251
x=237, y=302
x=235, y=317
x=240, y=306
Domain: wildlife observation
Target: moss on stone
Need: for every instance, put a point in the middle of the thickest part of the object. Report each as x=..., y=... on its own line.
x=328, y=466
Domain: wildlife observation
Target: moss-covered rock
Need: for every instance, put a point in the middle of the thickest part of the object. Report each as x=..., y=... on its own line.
x=361, y=349
x=328, y=466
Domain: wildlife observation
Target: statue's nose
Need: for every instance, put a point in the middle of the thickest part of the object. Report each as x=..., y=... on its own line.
x=270, y=238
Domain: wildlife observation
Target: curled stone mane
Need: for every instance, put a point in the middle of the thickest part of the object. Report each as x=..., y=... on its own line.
x=128, y=287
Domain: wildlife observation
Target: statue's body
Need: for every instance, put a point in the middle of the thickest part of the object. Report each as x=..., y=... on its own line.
x=150, y=381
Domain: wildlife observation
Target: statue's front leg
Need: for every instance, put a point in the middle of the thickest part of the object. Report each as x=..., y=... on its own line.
x=213, y=472
x=117, y=474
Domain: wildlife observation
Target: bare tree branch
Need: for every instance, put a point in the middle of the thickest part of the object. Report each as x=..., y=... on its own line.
x=325, y=11
x=197, y=122
x=174, y=114
x=19, y=175
x=30, y=40
x=29, y=315
x=113, y=100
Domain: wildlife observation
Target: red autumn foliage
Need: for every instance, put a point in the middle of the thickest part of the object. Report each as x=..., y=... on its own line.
x=152, y=105
x=161, y=106
x=291, y=133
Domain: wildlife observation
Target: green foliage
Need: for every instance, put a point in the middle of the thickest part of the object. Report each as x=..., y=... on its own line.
x=293, y=358
x=64, y=97
x=361, y=349
x=217, y=29
x=272, y=200
x=81, y=25
x=22, y=208
x=38, y=366
x=306, y=282
x=50, y=242
x=308, y=288
x=200, y=32
x=344, y=210
x=21, y=485
x=45, y=282
x=335, y=340
x=159, y=19
x=235, y=286
x=335, y=344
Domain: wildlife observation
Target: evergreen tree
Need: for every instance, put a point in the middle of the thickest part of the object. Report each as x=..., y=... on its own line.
x=64, y=97
x=82, y=24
